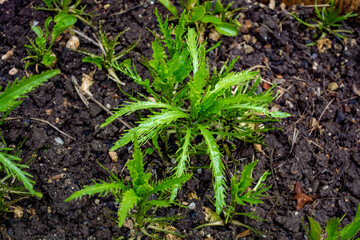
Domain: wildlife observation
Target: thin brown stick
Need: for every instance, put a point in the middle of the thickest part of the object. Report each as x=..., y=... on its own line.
x=77, y=89
x=108, y=111
x=86, y=37
x=40, y=120
x=327, y=106
x=127, y=10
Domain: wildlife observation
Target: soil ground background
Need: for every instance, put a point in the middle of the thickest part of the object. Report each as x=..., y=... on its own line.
x=326, y=160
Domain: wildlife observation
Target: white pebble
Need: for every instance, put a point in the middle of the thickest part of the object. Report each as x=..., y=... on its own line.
x=13, y=71
x=73, y=43
x=59, y=140
x=192, y=206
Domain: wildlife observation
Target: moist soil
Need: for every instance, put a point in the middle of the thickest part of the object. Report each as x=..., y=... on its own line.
x=317, y=146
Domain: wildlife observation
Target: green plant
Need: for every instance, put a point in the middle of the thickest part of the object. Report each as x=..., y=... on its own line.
x=221, y=18
x=192, y=102
x=64, y=6
x=10, y=163
x=39, y=52
x=241, y=194
x=140, y=192
x=328, y=20
x=332, y=229
x=109, y=55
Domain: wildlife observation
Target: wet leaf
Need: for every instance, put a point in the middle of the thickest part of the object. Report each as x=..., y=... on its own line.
x=302, y=198
x=243, y=234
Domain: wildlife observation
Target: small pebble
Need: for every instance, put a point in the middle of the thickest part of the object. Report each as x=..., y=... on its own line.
x=7, y=55
x=199, y=171
x=333, y=86
x=73, y=43
x=192, y=206
x=13, y=71
x=59, y=140
x=97, y=201
x=114, y=157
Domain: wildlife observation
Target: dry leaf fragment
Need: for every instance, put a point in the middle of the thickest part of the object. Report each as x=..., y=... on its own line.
x=170, y=236
x=86, y=82
x=266, y=86
x=356, y=90
x=243, y=234
x=18, y=211
x=323, y=44
x=302, y=198
x=258, y=147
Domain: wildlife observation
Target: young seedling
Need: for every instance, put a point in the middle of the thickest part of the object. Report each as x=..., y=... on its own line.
x=109, y=55
x=64, y=6
x=202, y=16
x=332, y=229
x=192, y=102
x=10, y=164
x=328, y=20
x=139, y=193
x=241, y=194
x=39, y=52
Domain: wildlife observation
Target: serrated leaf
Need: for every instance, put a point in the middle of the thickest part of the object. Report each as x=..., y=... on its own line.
x=103, y=188
x=147, y=125
x=167, y=184
x=182, y=160
x=217, y=168
x=135, y=106
x=18, y=89
x=225, y=83
x=136, y=167
x=130, y=198
x=14, y=169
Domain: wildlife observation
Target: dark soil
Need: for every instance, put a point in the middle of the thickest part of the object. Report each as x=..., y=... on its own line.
x=325, y=160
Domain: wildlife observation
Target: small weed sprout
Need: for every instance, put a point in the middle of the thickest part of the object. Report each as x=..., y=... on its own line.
x=332, y=229
x=137, y=193
x=193, y=102
x=328, y=20
x=202, y=16
x=39, y=52
x=10, y=163
x=109, y=55
x=242, y=194
x=76, y=10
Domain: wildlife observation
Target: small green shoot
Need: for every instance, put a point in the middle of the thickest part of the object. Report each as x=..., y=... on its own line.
x=328, y=20
x=207, y=15
x=242, y=194
x=64, y=6
x=39, y=52
x=137, y=193
x=332, y=229
x=109, y=55
x=189, y=101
